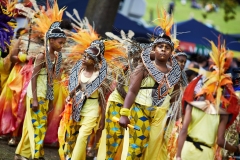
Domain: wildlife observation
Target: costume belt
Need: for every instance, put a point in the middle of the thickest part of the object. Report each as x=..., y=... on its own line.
x=197, y=144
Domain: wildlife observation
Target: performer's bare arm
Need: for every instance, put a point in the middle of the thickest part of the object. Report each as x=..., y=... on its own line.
x=15, y=51
x=183, y=133
x=221, y=134
x=38, y=65
x=135, y=84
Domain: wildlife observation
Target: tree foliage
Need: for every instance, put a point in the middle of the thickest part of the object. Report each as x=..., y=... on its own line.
x=229, y=7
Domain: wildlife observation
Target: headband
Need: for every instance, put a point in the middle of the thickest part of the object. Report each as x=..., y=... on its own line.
x=180, y=54
x=163, y=38
x=55, y=25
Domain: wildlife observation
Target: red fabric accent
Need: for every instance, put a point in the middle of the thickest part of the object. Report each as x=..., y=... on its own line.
x=232, y=107
x=188, y=95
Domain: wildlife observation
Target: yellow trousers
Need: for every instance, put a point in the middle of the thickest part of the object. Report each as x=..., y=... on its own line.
x=77, y=139
x=34, y=130
x=114, y=132
x=141, y=117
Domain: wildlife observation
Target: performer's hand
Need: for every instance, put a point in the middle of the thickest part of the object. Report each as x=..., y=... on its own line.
x=35, y=106
x=178, y=158
x=68, y=99
x=50, y=106
x=102, y=124
x=124, y=121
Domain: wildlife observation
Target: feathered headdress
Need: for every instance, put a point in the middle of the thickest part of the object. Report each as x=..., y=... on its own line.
x=217, y=88
x=84, y=38
x=41, y=17
x=7, y=23
x=165, y=23
x=217, y=79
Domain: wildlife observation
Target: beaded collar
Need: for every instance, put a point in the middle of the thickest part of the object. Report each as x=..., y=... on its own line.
x=80, y=99
x=165, y=81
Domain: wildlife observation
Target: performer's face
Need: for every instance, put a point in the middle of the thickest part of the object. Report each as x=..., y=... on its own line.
x=162, y=51
x=181, y=61
x=87, y=60
x=57, y=44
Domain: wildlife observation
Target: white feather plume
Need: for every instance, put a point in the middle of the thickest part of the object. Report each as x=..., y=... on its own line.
x=28, y=12
x=123, y=35
x=35, y=6
x=113, y=36
x=130, y=34
x=72, y=18
x=76, y=14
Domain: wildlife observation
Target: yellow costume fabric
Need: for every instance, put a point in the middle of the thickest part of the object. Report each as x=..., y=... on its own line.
x=77, y=138
x=113, y=134
x=34, y=130
x=144, y=96
x=35, y=123
x=116, y=97
x=41, y=84
x=75, y=147
x=60, y=95
x=198, y=123
x=141, y=117
x=157, y=147
x=9, y=100
x=112, y=138
x=5, y=69
x=91, y=106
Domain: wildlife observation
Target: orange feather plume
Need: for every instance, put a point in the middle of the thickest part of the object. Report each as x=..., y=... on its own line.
x=84, y=38
x=44, y=19
x=217, y=78
x=165, y=22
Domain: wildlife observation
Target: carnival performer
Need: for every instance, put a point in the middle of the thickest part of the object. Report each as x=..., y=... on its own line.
x=85, y=109
x=209, y=101
x=168, y=148
x=40, y=95
x=157, y=77
x=181, y=58
x=111, y=144
x=40, y=21
x=7, y=25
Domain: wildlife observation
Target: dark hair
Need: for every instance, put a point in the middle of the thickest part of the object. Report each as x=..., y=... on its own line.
x=142, y=40
x=95, y=51
x=189, y=72
x=18, y=33
x=66, y=24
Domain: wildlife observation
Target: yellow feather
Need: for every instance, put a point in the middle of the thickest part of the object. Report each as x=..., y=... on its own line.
x=44, y=20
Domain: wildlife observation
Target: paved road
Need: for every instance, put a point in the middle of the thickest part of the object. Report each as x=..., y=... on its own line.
x=7, y=152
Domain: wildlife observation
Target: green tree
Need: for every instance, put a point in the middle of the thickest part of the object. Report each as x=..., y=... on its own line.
x=229, y=7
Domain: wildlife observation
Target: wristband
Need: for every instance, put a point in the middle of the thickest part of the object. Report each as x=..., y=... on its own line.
x=124, y=112
x=22, y=57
